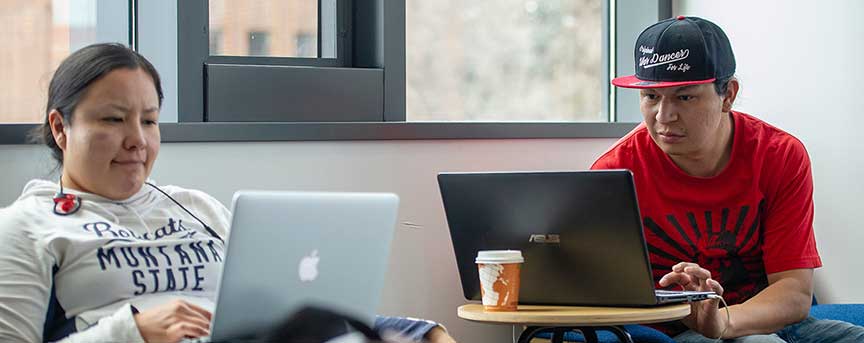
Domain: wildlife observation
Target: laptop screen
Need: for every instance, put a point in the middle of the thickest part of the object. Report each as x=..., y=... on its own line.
x=288, y=250
x=580, y=233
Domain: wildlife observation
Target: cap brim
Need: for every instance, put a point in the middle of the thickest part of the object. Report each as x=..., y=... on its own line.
x=632, y=82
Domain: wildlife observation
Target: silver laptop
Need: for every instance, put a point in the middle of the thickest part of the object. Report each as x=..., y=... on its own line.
x=291, y=249
x=579, y=231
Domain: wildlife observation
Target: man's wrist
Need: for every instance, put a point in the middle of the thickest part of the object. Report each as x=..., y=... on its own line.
x=725, y=324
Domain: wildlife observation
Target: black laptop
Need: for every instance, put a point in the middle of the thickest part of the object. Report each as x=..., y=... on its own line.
x=579, y=231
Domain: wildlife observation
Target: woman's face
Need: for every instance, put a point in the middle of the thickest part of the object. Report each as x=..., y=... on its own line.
x=112, y=142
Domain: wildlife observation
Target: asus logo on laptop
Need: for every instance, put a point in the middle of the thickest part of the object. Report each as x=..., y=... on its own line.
x=545, y=239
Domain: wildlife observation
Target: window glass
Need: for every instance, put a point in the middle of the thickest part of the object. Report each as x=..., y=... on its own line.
x=306, y=44
x=275, y=28
x=259, y=43
x=37, y=36
x=504, y=60
x=215, y=40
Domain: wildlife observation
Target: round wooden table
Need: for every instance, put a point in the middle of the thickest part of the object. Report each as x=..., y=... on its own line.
x=586, y=319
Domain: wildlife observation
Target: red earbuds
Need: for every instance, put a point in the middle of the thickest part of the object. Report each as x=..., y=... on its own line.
x=66, y=204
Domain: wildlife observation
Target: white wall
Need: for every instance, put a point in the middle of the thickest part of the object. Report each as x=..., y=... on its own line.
x=800, y=63
x=422, y=280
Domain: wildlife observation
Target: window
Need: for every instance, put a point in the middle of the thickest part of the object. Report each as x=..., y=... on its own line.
x=504, y=60
x=258, y=43
x=37, y=35
x=306, y=45
x=216, y=42
x=446, y=61
x=350, y=69
x=263, y=27
x=278, y=52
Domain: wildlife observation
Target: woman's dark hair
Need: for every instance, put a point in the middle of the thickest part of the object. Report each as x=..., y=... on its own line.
x=75, y=75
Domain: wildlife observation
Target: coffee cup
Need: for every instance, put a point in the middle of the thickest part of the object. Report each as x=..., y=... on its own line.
x=499, y=278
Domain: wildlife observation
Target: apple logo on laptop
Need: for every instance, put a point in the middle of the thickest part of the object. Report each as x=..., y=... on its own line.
x=308, y=268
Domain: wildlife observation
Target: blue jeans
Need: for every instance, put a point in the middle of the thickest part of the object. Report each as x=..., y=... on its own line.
x=809, y=330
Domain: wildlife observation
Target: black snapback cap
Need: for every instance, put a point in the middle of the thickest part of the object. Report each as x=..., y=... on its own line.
x=679, y=52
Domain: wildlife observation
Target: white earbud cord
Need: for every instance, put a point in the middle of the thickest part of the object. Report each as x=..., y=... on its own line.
x=728, y=317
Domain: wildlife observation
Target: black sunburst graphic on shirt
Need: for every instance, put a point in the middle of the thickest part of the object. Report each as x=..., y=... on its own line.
x=732, y=253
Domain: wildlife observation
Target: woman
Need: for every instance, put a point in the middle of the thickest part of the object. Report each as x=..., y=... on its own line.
x=105, y=255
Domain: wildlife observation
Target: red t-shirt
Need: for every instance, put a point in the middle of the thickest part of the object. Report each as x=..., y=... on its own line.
x=754, y=218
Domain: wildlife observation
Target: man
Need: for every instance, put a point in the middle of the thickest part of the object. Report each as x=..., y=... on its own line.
x=726, y=199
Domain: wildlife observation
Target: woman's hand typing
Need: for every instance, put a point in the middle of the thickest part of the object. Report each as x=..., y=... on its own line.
x=172, y=322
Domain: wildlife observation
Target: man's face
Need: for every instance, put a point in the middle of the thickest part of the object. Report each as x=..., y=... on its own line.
x=683, y=121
